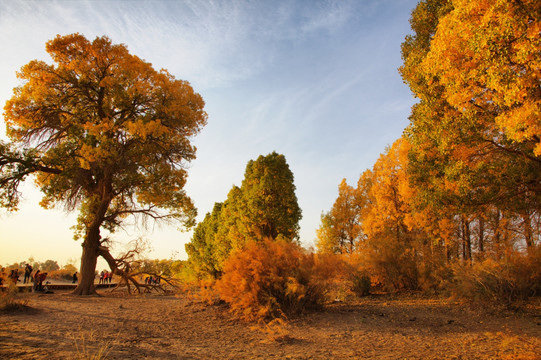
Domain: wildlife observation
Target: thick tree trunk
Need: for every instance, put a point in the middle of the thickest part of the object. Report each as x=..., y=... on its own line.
x=88, y=265
x=92, y=242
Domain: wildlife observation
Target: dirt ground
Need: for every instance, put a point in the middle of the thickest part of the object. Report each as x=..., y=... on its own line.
x=62, y=326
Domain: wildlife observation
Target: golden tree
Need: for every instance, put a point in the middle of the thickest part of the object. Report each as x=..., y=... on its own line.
x=475, y=132
x=340, y=230
x=104, y=133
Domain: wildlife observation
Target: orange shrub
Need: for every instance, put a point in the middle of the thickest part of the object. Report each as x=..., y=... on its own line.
x=271, y=279
x=506, y=281
x=343, y=276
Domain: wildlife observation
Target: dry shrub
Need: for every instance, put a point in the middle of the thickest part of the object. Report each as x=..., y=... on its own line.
x=276, y=330
x=361, y=283
x=271, y=279
x=508, y=281
x=392, y=266
x=206, y=291
x=335, y=274
x=434, y=276
x=89, y=347
x=10, y=301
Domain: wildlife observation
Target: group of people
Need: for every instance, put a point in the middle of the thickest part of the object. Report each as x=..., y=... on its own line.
x=14, y=275
x=152, y=280
x=36, y=279
x=105, y=277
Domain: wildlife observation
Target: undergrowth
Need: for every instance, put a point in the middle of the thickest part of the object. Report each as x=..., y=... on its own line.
x=88, y=347
x=10, y=300
x=508, y=282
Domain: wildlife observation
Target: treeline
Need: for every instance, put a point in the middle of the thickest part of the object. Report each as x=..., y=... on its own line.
x=51, y=267
x=453, y=205
x=47, y=265
x=462, y=186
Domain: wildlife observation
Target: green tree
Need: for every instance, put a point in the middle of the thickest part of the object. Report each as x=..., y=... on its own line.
x=202, y=250
x=268, y=191
x=265, y=206
x=104, y=133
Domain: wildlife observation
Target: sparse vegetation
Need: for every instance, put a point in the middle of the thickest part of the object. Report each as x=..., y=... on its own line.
x=10, y=300
x=88, y=347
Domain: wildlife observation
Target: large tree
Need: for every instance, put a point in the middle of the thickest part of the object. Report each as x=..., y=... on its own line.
x=265, y=206
x=268, y=191
x=104, y=133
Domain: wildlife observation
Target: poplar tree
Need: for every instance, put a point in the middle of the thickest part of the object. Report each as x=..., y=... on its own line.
x=103, y=133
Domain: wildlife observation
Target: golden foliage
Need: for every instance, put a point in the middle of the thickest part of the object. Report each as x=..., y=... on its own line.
x=271, y=279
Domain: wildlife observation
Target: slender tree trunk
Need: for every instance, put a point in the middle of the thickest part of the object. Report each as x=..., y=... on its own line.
x=498, y=234
x=466, y=239
x=482, y=236
x=528, y=233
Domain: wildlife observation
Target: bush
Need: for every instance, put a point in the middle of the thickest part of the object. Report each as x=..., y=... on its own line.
x=62, y=274
x=271, y=279
x=393, y=266
x=335, y=273
x=361, y=283
x=508, y=281
x=9, y=299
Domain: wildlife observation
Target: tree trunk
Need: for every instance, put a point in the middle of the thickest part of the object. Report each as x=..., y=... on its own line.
x=88, y=264
x=466, y=239
x=92, y=242
x=528, y=233
x=482, y=236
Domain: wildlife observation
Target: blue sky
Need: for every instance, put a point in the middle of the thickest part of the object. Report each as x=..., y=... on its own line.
x=315, y=80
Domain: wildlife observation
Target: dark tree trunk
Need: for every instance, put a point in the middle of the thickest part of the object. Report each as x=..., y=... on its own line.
x=466, y=239
x=88, y=264
x=92, y=242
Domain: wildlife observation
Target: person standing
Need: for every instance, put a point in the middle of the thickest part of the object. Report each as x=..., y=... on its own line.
x=27, y=273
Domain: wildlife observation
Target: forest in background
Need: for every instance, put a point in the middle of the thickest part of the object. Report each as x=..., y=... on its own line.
x=451, y=207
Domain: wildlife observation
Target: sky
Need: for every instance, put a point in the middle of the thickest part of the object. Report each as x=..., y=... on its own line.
x=314, y=80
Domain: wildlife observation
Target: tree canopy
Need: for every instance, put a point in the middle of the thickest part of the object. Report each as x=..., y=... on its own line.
x=263, y=207
x=340, y=231
x=104, y=133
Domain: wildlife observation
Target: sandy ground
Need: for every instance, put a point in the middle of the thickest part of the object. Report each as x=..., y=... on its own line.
x=62, y=326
